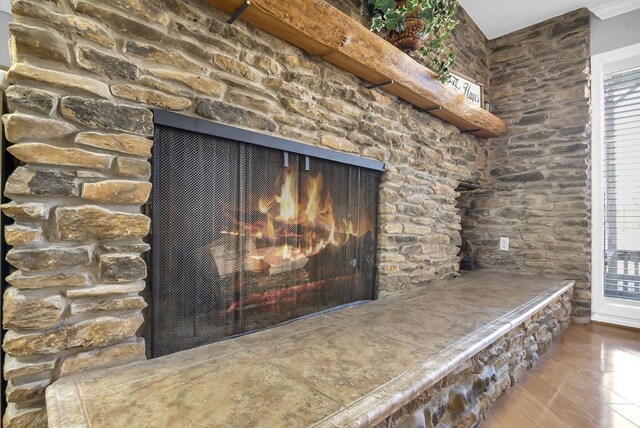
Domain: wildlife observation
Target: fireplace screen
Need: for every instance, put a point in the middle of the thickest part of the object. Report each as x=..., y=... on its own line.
x=245, y=237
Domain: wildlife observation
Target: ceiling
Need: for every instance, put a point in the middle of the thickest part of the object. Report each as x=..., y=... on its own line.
x=499, y=17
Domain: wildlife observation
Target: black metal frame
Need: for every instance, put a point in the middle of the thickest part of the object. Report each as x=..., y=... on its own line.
x=188, y=123
x=179, y=121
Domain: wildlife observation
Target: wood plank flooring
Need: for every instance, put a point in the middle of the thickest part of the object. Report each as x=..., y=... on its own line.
x=590, y=378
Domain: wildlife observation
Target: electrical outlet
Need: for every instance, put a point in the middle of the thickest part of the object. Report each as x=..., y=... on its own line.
x=504, y=243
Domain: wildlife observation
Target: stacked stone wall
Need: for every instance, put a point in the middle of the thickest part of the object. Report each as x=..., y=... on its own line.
x=85, y=76
x=539, y=193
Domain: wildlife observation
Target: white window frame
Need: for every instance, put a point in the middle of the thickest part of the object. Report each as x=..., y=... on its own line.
x=605, y=309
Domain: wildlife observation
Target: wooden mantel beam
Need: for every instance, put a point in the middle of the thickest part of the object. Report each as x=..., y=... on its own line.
x=323, y=30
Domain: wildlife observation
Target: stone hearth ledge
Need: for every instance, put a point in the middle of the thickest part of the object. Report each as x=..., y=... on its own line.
x=352, y=367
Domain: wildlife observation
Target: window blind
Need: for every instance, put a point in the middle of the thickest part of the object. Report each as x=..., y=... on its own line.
x=621, y=147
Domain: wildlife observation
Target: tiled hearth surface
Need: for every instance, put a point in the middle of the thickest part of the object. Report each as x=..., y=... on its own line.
x=337, y=369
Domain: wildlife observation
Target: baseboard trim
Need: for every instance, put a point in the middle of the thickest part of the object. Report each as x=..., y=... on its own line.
x=615, y=321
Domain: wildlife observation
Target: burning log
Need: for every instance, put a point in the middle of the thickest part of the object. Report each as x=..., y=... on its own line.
x=355, y=255
x=287, y=295
x=223, y=254
x=254, y=281
x=281, y=259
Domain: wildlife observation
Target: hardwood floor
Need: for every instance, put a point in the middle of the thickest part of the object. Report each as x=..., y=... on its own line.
x=591, y=378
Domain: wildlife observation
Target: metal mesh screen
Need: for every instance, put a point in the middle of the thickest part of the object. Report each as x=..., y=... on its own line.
x=245, y=237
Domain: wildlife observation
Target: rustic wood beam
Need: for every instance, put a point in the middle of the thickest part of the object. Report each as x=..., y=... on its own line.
x=321, y=29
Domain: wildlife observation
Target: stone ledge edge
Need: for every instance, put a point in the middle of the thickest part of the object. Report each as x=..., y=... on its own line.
x=389, y=398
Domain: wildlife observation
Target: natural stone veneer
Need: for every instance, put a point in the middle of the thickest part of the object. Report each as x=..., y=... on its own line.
x=464, y=396
x=82, y=86
x=539, y=192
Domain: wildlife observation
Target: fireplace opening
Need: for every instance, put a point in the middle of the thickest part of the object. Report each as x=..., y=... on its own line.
x=249, y=231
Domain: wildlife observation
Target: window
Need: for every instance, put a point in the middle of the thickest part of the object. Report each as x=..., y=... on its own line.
x=615, y=249
x=621, y=155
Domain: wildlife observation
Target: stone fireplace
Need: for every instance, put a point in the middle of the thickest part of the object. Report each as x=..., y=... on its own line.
x=81, y=127
x=255, y=231
x=90, y=238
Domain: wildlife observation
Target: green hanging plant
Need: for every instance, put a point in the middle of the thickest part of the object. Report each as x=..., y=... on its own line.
x=419, y=26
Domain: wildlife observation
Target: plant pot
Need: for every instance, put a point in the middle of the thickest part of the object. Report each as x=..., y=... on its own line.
x=409, y=39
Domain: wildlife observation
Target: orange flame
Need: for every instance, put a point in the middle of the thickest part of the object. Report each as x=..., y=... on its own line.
x=348, y=228
x=287, y=200
x=313, y=193
x=302, y=224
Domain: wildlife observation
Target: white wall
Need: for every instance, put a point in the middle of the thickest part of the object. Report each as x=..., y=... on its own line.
x=5, y=19
x=613, y=33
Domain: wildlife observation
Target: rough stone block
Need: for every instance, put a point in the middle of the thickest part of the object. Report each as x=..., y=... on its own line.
x=386, y=257
x=27, y=210
x=165, y=86
x=134, y=168
x=219, y=111
x=567, y=26
x=104, y=64
x=29, y=181
x=108, y=115
x=68, y=24
x=25, y=41
x=337, y=143
x=40, y=153
x=117, y=191
x=116, y=304
x=120, y=267
x=23, y=392
x=196, y=82
x=265, y=63
x=139, y=29
x=138, y=248
x=21, y=235
x=119, y=354
x=66, y=279
x=121, y=143
x=517, y=371
x=523, y=177
x=101, y=331
x=250, y=99
x=20, y=127
x=162, y=56
x=27, y=311
x=37, y=259
x=143, y=9
x=89, y=222
x=388, y=268
x=413, y=229
x=235, y=67
x=392, y=228
x=16, y=368
x=150, y=96
x=26, y=98
x=26, y=417
x=105, y=290
x=207, y=38
x=23, y=72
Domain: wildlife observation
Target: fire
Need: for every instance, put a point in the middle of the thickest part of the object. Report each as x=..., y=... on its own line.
x=332, y=237
x=287, y=200
x=296, y=225
x=271, y=231
x=313, y=192
x=286, y=253
x=348, y=228
x=291, y=253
